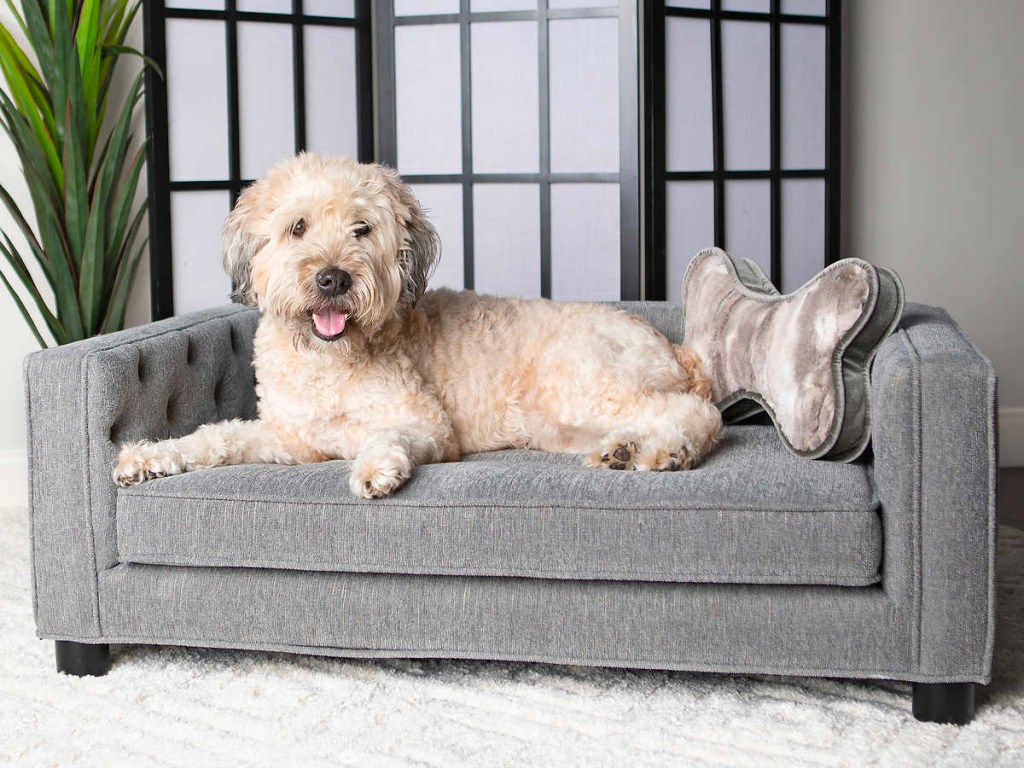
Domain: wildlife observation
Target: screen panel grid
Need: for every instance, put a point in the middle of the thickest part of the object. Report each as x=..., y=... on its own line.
x=247, y=83
x=535, y=85
x=520, y=125
x=745, y=99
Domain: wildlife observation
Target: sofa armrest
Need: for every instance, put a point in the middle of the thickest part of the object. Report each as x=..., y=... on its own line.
x=82, y=401
x=933, y=396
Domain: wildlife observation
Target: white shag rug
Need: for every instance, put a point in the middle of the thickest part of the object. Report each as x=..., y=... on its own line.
x=197, y=707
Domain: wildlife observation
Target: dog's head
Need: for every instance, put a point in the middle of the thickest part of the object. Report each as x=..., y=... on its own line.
x=328, y=245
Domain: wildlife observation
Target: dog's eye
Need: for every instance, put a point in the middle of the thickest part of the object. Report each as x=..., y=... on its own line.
x=361, y=229
x=299, y=229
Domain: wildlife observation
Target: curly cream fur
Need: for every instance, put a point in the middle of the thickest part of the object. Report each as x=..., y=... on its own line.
x=423, y=377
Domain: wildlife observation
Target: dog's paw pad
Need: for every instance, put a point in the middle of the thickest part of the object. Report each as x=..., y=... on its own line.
x=679, y=459
x=685, y=457
x=666, y=459
x=622, y=456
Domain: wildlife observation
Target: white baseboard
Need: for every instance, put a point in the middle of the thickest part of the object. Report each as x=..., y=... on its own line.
x=14, y=468
x=13, y=478
x=1011, y=437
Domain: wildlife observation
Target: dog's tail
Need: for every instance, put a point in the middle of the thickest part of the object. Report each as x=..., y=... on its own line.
x=691, y=362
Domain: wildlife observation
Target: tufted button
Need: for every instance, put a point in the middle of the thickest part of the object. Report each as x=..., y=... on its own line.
x=190, y=353
x=140, y=370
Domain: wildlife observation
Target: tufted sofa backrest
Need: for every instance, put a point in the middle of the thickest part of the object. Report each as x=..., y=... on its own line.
x=169, y=384
x=666, y=316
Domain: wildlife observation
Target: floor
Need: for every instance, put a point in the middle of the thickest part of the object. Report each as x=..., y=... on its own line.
x=1011, y=496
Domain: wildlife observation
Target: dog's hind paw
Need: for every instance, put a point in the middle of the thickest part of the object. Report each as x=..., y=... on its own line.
x=669, y=461
x=618, y=455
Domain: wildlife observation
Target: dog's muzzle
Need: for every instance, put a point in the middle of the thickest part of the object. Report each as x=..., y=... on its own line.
x=329, y=324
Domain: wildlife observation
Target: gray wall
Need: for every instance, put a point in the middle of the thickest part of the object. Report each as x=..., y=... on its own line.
x=933, y=166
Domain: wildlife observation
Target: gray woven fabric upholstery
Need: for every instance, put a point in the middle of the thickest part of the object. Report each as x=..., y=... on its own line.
x=934, y=398
x=161, y=380
x=526, y=513
x=932, y=474
x=834, y=631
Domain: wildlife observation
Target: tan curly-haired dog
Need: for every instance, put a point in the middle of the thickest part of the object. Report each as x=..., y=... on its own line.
x=354, y=361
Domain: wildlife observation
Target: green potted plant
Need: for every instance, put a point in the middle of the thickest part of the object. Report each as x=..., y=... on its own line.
x=81, y=173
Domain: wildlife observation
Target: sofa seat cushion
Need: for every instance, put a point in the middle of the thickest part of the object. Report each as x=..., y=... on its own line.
x=750, y=514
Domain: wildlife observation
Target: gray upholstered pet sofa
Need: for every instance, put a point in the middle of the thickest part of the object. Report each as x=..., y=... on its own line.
x=755, y=562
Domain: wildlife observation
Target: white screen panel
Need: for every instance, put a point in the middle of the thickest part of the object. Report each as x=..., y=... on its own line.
x=688, y=95
x=803, y=96
x=580, y=4
x=443, y=205
x=804, y=7
x=332, y=125
x=485, y=6
x=265, y=88
x=428, y=99
x=746, y=94
x=506, y=239
x=425, y=7
x=202, y=5
x=584, y=86
x=585, y=247
x=803, y=231
x=197, y=100
x=337, y=8
x=748, y=221
x=505, y=102
x=690, y=225
x=702, y=4
x=196, y=222
x=754, y=6
x=265, y=6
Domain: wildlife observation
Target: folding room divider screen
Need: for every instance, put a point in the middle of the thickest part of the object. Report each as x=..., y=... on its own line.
x=563, y=148
x=742, y=136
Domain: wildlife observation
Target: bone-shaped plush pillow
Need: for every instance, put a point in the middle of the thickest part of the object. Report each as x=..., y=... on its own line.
x=803, y=357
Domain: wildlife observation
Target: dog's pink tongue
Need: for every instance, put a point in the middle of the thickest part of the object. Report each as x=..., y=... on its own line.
x=329, y=323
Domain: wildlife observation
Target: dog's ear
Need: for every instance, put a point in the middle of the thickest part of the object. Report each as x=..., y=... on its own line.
x=420, y=250
x=419, y=257
x=240, y=243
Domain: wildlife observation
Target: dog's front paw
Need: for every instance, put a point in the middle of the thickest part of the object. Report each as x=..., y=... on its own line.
x=374, y=478
x=138, y=462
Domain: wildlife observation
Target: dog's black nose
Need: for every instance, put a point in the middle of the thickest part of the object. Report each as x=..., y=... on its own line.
x=333, y=282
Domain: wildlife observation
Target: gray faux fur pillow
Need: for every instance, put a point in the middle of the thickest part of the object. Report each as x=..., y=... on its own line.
x=804, y=357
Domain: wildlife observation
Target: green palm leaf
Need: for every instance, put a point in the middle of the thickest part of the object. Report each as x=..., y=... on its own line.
x=17, y=263
x=21, y=308
x=82, y=178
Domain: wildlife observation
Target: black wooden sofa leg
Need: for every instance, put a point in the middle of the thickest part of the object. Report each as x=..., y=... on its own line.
x=944, y=702
x=83, y=659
